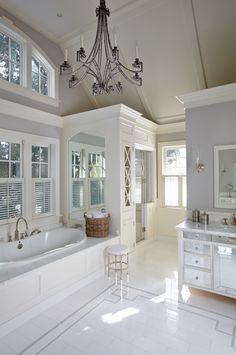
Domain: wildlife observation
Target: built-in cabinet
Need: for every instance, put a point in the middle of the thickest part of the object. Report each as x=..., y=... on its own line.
x=122, y=130
x=207, y=257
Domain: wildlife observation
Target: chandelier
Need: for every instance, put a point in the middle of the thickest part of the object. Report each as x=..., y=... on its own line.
x=103, y=63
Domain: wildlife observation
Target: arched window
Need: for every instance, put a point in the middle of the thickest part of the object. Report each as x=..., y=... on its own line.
x=24, y=68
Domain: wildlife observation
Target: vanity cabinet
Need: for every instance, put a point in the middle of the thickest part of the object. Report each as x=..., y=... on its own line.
x=207, y=258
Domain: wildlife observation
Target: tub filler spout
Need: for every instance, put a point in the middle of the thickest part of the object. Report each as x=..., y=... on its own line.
x=17, y=236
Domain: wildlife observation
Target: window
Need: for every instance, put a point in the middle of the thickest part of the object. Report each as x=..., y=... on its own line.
x=96, y=175
x=42, y=183
x=174, y=175
x=37, y=78
x=78, y=179
x=88, y=176
x=11, y=182
x=10, y=59
x=40, y=77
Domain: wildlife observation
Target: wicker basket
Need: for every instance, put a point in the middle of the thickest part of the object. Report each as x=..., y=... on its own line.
x=97, y=227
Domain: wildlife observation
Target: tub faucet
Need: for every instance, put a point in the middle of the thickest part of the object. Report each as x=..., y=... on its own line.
x=35, y=231
x=17, y=231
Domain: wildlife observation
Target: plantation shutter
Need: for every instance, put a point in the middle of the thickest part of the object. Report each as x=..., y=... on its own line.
x=11, y=198
x=77, y=193
x=42, y=196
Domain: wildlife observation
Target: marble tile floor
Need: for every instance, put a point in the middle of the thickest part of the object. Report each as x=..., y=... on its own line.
x=142, y=318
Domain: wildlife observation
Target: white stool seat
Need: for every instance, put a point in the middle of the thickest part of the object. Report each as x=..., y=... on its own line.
x=118, y=260
x=118, y=249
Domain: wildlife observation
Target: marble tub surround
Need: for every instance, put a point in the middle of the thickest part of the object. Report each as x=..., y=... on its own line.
x=148, y=319
x=49, y=276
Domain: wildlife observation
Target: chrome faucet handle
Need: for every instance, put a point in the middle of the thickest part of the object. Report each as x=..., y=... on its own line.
x=225, y=221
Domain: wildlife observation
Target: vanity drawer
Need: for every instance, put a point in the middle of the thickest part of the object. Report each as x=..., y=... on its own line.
x=201, y=261
x=197, y=248
x=197, y=236
x=197, y=277
x=223, y=239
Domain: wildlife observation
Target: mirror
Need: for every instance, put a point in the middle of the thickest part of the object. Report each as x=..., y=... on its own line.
x=225, y=176
x=87, y=172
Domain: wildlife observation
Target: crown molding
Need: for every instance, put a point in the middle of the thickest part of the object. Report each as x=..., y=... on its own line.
x=171, y=119
x=13, y=109
x=171, y=128
x=210, y=96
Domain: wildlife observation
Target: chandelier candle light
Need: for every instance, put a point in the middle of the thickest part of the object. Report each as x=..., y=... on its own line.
x=103, y=63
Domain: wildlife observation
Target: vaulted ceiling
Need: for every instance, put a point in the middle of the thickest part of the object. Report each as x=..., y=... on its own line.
x=186, y=45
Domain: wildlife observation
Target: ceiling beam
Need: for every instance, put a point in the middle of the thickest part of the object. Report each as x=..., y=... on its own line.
x=194, y=43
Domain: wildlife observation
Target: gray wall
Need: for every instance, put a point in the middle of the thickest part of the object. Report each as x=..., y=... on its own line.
x=206, y=127
x=26, y=126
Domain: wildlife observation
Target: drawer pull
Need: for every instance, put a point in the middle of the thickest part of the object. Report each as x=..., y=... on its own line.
x=196, y=261
x=196, y=277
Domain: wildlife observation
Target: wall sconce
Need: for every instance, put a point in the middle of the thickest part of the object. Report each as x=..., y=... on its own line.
x=199, y=166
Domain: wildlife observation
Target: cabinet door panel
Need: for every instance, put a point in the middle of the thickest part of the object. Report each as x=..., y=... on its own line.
x=224, y=268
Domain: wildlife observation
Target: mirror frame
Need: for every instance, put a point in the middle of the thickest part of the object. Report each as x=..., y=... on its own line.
x=217, y=203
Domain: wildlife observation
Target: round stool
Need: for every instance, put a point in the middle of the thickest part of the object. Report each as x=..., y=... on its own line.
x=118, y=260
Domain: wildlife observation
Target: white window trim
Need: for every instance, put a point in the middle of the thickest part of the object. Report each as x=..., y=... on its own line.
x=87, y=203
x=161, y=187
x=28, y=46
x=27, y=140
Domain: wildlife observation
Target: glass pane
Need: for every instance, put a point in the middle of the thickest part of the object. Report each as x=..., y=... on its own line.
x=76, y=171
x=184, y=192
x=4, y=46
x=174, y=160
x=35, y=153
x=44, y=154
x=4, y=69
x=35, y=170
x=44, y=170
x=15, y=73
x=4, y=151
x=44, y=85
x=4, y=169
x=43, y=70
x=15, y=170
x=171, y=191
x=15, y=151
x=35, y=82
x=15, y=51
x=96, y=192
x=76, y=158
x=35, y=65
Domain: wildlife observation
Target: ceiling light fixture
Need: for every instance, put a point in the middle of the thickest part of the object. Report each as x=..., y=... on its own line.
x=103, y=62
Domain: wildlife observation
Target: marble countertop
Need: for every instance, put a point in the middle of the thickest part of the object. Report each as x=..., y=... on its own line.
x=212, y=228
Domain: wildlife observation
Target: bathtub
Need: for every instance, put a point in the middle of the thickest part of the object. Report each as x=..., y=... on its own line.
x=42, y=244
x=50, y=266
